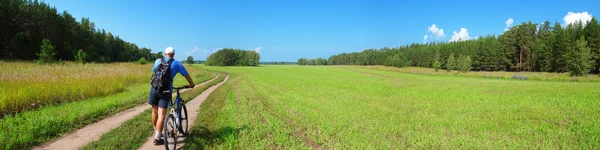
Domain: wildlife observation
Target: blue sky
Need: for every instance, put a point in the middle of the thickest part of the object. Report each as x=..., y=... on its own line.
x=285, y=30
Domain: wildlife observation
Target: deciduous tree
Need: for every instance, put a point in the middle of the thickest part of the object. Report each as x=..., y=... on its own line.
x=190, y=60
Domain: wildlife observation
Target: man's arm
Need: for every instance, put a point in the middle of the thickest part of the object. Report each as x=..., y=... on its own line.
x=189, y=79
x=184, y=72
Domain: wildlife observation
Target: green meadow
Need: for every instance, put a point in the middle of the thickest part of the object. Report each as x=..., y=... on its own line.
x=346, y=107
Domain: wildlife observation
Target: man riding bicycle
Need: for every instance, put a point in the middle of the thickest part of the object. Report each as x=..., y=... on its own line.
x=160, y=102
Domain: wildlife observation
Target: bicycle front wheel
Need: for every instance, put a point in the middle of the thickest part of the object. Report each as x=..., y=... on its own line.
x=183, y=121
x=170, y=132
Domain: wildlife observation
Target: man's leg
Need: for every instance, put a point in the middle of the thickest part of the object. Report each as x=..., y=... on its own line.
x=154, y=115
x=163, y=104
x=161, y=119
x=153, y=100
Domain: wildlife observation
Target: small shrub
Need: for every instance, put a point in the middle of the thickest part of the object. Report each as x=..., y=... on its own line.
x=451, y=64
x=519, y=77
x=142, y=61
x=436, y=65
x=465, y=64
x=47, y=52
x=80, y=56
x=574, y=80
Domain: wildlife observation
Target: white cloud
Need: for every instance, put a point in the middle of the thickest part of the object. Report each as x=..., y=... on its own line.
x=438, y=32
x=425, y=38
x=257, y=50
x=191, y=52
x=571, y=17
x=463, y=35
x=509, y=22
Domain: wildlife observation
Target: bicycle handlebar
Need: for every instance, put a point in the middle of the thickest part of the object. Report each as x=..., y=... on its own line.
x=182, y=87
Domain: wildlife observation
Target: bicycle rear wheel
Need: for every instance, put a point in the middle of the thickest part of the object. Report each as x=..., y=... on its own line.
x=183, y=121
x=170, y=132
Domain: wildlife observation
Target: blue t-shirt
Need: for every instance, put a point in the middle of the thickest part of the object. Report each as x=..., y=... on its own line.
x=176, y=67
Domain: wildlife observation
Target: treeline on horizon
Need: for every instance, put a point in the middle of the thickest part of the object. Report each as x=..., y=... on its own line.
x=315, y=62
x=525, y=47
x=278, y=63
x=233, y=57
x=24, y=24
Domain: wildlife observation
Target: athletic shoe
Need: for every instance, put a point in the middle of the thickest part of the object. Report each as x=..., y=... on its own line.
x=159, y=141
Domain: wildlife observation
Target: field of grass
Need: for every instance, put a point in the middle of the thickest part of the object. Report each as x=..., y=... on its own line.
x=26, y=85
x=537, y=76
x=29, y=128
x=137, y=130
x=305, y=107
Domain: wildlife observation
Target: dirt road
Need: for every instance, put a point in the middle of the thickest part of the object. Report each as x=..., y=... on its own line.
x=193, y=106
x=93, y=132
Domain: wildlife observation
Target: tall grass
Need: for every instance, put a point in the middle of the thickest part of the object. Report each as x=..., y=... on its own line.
x=31, y=127
x=26, y=85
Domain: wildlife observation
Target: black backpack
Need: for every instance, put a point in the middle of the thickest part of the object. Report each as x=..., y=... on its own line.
x=161, y=80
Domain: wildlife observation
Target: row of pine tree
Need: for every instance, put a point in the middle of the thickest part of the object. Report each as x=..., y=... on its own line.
x=544, y=47
x=25, y=25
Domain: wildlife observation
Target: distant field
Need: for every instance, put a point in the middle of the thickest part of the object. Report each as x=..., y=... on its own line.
x=538, y=76
x=298, y=107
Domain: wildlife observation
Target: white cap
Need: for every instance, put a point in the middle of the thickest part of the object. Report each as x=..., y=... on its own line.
x=169, y=50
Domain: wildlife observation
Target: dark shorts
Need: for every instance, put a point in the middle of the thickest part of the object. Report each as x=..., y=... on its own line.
x=156, y=99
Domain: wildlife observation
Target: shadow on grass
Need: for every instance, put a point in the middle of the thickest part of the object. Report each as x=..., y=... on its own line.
x=202, y=137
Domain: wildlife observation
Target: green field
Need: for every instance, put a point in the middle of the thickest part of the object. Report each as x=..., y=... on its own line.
x=342, y=107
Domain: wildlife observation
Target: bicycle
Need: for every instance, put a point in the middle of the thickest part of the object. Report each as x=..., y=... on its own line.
x=176, y=122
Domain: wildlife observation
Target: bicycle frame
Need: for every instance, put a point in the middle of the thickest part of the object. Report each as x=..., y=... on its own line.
x=175, y=117
x=176, y=110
